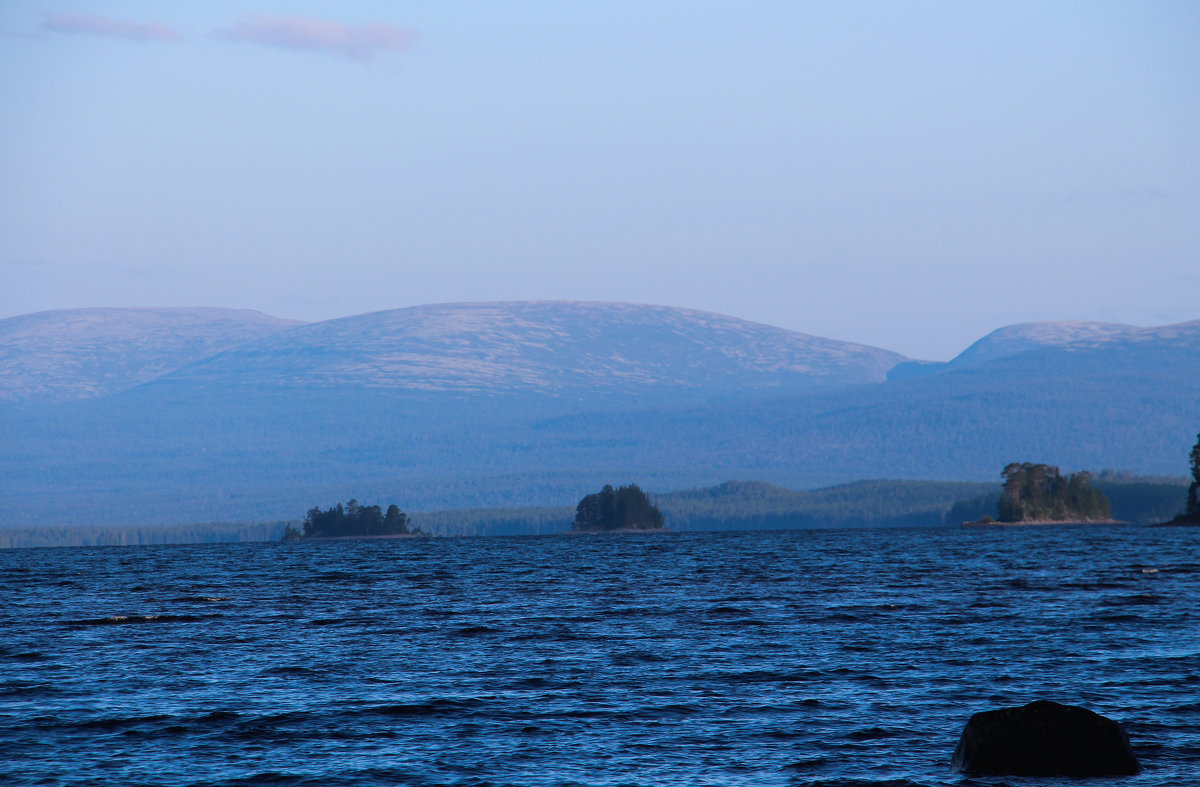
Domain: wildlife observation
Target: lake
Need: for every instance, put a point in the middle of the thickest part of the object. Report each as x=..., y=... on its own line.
x=818, y=657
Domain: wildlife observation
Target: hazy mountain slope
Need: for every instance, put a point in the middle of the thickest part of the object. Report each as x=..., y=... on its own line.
x=543, y=347
x=1031, y=336
x=960, y=428
x=82, y=353
x=1130, y=402
x=192, y=448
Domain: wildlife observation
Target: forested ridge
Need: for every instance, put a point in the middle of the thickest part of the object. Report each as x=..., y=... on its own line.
x=741, y=505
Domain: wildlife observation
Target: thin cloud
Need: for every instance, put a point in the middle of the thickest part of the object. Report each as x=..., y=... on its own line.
x=357, y=42
x=96, y=25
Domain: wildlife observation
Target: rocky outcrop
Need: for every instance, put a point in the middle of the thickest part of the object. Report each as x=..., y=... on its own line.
x=1044, y=738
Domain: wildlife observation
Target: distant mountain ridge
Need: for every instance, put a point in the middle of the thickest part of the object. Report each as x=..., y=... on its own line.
x=76, y=354
x=545, y=347
x=533, y=404
x=1029, y=336
x=1071, y=336
x=531, y=346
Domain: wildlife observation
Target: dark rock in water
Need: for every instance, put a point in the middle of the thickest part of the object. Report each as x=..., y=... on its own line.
x=1044, y=739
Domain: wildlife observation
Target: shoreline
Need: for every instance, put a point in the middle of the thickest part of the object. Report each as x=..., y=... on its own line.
x=1177, y=522
x=302, y=539
x=618, y=530
x=1037, y=522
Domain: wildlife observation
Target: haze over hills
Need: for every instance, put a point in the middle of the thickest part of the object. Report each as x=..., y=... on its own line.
x=533, y=404
x=1067, y=335
x=543, y=347
x=84, y=353
x=1029, y=336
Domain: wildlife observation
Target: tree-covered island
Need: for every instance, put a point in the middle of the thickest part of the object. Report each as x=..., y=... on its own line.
x=624, y=509
x=1041, y=494
x=352, y=521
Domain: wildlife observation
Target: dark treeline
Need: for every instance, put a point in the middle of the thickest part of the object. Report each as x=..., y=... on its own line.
x=743, y=505
x=141, y=535
x=352, y=520
x=1041, y=492
x=755, y=505
x=1141, y=502
x=497, y=521
x=746, y=505
x=736, y=505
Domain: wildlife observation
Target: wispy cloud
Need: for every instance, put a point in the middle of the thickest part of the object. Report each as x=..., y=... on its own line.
x=358, y=42
x=97, y=25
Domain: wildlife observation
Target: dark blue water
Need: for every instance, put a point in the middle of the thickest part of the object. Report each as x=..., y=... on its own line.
x=786, y=658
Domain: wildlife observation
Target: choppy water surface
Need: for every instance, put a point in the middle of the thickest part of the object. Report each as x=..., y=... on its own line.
x=805, y=658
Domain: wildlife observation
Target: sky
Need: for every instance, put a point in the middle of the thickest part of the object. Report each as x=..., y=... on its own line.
x=909, y=175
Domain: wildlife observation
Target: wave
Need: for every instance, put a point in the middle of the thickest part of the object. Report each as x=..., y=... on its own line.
x=631, y=658
x=27, y=690
x=22, y=655
x=1137, y=599
x=608, y=667
x=104, y=724
x=125, y=620
x=874, y=734
x=765, y=676
x=475, y=631
x=434, y=707
x=879, y=783
x=728, y=612
x=292, y=671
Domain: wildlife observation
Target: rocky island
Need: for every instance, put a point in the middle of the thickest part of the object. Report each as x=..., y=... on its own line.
x=1037, y=494
x=626, y=509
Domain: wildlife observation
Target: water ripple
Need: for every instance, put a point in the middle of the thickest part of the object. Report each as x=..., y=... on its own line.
x=846, y=658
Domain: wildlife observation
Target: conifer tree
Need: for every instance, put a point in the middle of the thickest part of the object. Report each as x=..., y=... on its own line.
x=1193, y=498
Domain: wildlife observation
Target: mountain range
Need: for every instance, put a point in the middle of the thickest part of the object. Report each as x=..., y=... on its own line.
x=168, y=415
x=526, y=347
x=84, y=353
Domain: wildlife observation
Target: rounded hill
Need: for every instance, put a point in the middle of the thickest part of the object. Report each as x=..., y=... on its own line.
x=544, y=347
x=1025, y=337
x=72, y=354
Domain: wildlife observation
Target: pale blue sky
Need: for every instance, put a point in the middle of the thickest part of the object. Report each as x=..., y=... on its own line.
x=907, y=175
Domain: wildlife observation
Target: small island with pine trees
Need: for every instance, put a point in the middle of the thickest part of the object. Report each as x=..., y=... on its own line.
x=1037, y=494
x=353, y=521
x=623, y=510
